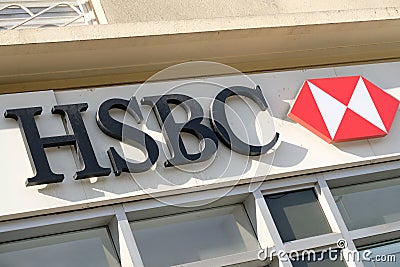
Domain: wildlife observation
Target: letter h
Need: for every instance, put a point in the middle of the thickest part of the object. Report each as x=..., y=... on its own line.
x=36, y=144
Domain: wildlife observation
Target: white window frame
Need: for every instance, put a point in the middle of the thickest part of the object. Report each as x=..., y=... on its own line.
x=91, y=13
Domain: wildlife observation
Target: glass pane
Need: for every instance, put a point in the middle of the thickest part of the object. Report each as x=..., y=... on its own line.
x=297, y=214
x=383, y=255
x=91, y=248
x=326, y=260
x=369, y=204
x=194, y=236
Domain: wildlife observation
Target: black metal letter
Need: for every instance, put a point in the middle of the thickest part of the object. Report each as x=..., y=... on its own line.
x=121, y=132
x=172, y=129
x=36, y=144
x=220, y=123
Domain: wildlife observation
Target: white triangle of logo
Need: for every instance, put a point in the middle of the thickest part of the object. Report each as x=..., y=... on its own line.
x=332, y=110
x=362, y=104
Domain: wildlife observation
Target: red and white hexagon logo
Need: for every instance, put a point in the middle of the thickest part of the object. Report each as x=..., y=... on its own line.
x=344, y=108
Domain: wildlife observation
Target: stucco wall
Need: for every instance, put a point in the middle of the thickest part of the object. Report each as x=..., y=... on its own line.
x=123, y=11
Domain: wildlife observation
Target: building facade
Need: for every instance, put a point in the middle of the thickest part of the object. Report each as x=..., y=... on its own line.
x=120, y=146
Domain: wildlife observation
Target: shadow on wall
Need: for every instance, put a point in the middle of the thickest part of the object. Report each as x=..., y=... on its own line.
x=225, y=166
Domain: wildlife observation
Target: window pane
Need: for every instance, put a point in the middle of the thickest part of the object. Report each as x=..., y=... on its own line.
x=297, y=214
x=91, y=248
x=369, y=204
x=54, y=13
x=325, y=260
x=384, y=255
x=194, y=236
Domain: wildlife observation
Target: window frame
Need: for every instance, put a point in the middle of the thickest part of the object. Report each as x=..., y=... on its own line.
x=116, y=217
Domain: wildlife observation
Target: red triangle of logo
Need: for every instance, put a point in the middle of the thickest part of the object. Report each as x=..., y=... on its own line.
x=354, y=127
x=341, y=88
x=305, y=111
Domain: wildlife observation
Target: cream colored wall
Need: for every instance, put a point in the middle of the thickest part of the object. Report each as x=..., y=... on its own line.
x=123, y=11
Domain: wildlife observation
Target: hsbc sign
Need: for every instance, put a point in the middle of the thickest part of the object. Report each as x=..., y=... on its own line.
x=336, y=109
x=344, y=109
x=218, y=130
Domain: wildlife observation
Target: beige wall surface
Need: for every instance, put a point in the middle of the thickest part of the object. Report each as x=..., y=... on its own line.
x=123, y=11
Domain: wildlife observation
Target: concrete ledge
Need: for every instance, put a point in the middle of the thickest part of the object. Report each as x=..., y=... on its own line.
x=61, y=58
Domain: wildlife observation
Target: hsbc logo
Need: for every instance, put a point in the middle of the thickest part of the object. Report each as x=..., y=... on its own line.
x=336, y=109
x=202, y=127
x=344, y=108
x=218, y=129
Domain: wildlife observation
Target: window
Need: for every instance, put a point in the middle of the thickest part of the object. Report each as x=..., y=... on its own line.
x=19, y=14
x=89, y=248
x=326, y=259
x=297, y=214
x=369, y=204
x=381, y=255
x=194, y=236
